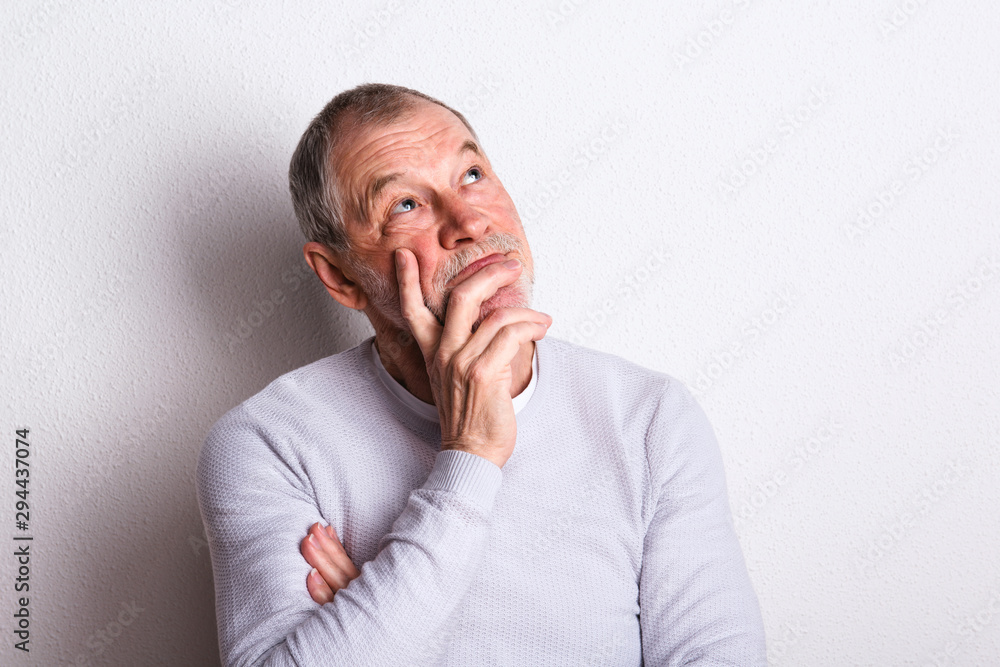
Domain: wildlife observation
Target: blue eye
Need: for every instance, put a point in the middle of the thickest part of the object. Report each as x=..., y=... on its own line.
x=476, y=172
x=404, y=206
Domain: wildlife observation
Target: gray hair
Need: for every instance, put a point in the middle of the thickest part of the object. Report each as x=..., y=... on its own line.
x=312, y=178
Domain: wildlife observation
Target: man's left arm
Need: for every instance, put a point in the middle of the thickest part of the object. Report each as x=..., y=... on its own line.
x=697, y=604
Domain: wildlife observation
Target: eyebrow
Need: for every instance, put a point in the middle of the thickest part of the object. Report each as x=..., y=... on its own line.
x=380, y=183
x=470, y=145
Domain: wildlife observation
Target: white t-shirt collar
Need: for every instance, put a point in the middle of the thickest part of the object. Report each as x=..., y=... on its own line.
x=430, y=411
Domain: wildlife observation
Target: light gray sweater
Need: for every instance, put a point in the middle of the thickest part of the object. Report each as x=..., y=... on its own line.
x=606, y=538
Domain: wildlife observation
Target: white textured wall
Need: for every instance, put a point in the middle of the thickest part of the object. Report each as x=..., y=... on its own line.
x=690, y=176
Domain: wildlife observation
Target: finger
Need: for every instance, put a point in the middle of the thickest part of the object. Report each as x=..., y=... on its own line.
x=466, y=300
x=505, y=345
x=423, y=324
x=332, y=545
x=328, y=563
x=498, y=319
x=332, y=574
x=317, y=587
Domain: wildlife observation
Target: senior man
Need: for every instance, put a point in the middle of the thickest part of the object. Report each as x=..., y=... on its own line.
x=604, y=537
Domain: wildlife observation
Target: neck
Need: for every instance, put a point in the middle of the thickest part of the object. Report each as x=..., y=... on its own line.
x=404, y=361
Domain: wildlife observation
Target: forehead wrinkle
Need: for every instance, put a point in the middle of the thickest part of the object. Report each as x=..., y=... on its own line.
x=394, y=144
x=379, y=183
x=358, y=194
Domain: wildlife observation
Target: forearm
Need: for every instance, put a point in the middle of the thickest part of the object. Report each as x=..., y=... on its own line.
x=423, y=570
x=393, y=611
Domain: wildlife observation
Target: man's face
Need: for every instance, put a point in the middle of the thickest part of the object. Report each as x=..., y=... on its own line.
x=428, y=187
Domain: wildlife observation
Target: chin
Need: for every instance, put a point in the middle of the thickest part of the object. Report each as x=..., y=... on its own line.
x=509, y=296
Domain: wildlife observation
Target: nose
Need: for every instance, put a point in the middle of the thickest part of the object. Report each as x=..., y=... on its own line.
x=462, y=221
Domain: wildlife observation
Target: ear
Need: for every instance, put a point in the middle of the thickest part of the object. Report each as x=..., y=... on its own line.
x=326, y=264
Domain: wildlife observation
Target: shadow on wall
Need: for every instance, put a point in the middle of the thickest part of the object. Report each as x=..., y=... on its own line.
x=255, y=311
x=265, y=311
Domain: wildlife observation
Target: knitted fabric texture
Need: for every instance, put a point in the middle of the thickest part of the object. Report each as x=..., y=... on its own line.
x=606, y=538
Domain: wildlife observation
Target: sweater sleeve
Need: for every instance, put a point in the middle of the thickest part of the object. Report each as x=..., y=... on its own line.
x=697, y=604
x=257, y=504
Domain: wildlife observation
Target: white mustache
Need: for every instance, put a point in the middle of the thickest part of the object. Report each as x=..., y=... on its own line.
x=501, y=242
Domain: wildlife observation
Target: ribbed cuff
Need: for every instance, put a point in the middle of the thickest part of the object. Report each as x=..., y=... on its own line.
x=472, y=476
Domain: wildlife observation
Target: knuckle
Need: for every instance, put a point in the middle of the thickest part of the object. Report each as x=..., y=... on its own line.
x=510, y=331
x=461, y=364
x=519, y=330
x=478, y=372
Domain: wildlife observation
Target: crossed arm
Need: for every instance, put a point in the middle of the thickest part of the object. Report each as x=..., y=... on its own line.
x=697, y=606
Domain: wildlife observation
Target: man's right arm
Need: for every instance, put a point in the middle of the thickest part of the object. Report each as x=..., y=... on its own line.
x=257, y=503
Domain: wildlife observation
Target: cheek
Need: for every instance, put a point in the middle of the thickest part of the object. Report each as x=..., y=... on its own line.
x=380, y=262
x=505, y=207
